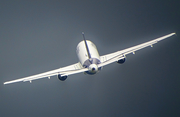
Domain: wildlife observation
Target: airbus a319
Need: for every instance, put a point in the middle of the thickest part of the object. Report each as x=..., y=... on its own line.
x=90, y=62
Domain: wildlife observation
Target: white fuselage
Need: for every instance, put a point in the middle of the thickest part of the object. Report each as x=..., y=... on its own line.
x=84, y=59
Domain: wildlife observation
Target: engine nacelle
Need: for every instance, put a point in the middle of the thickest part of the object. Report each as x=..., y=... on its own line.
x=62, y=78
x=121, y=61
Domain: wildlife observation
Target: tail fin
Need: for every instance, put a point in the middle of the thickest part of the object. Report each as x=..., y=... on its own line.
x=89, y=55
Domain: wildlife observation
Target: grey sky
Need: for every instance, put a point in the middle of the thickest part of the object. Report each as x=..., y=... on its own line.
x=42, y=35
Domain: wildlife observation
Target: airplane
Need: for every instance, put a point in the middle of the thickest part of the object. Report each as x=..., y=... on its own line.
x=89, y=60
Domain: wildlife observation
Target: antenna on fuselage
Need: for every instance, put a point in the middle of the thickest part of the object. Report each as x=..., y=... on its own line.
x=89, y=55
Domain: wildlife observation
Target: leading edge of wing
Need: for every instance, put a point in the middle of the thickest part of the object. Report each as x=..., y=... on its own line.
x=63, y=71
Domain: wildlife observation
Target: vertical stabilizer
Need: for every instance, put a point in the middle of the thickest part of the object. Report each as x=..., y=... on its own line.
x=89, y=55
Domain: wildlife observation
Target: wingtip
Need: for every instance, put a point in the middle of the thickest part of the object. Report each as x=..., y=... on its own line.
x=171, y=34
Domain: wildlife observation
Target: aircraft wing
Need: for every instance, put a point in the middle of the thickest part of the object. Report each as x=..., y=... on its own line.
x=113, y=57
x=65, y=71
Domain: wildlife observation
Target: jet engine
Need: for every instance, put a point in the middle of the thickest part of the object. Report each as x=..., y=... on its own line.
x=121, y=61
x=61, y=78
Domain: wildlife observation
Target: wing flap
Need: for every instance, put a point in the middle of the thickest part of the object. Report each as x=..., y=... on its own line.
x=69, y=70
x=112, y=57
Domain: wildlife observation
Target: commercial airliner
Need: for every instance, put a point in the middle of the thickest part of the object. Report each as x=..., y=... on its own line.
x=89, y=60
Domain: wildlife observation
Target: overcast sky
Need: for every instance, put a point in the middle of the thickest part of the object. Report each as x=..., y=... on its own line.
x=39, y=36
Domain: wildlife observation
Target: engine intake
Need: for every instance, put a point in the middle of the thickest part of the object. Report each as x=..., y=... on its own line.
x=61, y=78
